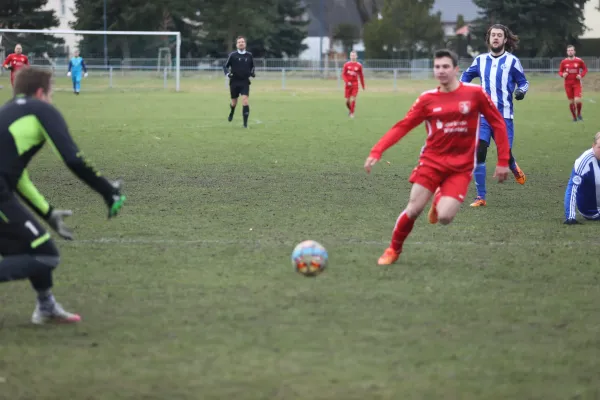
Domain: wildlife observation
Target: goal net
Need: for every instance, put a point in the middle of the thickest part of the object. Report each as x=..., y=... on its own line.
x=123, y=60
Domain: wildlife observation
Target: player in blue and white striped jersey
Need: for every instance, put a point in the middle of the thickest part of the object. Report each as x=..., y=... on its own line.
x=583, y=189
x=501, y=75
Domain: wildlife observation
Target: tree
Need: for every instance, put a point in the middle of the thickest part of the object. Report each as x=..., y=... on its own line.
x=460, y=41
x=134, y=15
x=274, y=28
x=406, y=29
x=544, y=27
x=348, y=35
x=28, y=14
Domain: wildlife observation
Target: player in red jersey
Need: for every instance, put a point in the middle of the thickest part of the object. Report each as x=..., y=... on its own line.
x=15, y=62
x=351, y=73
x=451, y=114
x=572, y=70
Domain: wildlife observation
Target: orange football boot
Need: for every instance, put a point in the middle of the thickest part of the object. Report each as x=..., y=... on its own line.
x=519, y=175
x=479, y=202
x=388, y=257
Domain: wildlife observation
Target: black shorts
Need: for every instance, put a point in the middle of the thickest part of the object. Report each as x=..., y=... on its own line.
x=239, y=88
x=20, y=231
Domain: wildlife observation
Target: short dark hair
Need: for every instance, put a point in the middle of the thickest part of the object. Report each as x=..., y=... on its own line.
x=240, y=37
x=446, y=53
x=29, y=79
x=571, y=47
x=512, y=40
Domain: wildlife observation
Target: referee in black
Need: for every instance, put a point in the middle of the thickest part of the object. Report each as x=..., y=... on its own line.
x=239, y=67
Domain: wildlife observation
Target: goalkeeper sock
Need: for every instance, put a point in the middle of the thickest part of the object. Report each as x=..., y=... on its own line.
x=579, y=105
x=246, y=113
x=572, y=108
x=479, y=174
x=402, y=229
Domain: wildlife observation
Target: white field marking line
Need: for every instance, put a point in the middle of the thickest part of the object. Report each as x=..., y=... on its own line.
x=269, y=242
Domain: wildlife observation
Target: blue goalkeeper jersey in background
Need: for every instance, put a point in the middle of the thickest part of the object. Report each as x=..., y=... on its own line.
x=583, y=189
x=499, y=76
x=76, y=65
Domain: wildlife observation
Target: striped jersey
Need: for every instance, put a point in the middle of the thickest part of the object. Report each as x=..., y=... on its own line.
x=583, y=189
x=499, y=76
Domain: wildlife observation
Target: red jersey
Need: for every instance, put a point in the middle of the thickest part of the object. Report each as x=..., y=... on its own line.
x=452, y=123
x=352, y=72
x=16, y=62
x=571, y=68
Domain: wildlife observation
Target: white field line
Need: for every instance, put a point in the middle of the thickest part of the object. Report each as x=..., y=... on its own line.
x=285, y=242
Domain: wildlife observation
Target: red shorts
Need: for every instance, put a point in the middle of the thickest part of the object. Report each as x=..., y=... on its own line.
x=351, y=91
x=573, y=90
x=452, y=184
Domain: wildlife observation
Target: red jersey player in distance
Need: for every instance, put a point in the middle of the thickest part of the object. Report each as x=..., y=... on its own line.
x=572, y=69
x=15, y=62
x=451, y=114
x=351, y=73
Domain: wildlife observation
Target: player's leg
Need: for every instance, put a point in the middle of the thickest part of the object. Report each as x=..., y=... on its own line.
x=449, y=197
x=425, y=180
x=28, y=252
x=234, y=92
x=518, y=173
x=245, y=92
x=353, y=94
x=577, y=91
x=570, y=96
x=485, y=135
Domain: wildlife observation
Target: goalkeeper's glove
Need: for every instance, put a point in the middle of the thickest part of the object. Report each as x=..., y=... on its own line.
x=252, y=74
x=571, y=222
x=85, y=75
x=69, y=73
x=519, y=94
x=8, y=67
x=55, y=220
x=230, y=75
x=116, y=201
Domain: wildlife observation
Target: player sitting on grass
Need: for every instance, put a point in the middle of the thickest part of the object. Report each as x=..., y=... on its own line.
x=583, y=189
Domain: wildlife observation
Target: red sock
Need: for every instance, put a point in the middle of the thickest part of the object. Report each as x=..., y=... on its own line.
x=352, y=106
x=579, y=105
x=401, y=231
x=572, y=108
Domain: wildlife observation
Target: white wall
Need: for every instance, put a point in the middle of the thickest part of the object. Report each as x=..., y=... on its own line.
x=592, y=20
x=64, y=12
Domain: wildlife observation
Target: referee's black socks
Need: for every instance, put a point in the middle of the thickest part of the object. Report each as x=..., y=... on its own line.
x=246, y=113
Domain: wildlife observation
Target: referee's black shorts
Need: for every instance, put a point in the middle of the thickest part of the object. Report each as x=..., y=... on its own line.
x=20, y=231
x=239, y=88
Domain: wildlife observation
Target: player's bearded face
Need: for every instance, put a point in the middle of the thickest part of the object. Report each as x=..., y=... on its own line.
x=497, y=40
x=571, y=52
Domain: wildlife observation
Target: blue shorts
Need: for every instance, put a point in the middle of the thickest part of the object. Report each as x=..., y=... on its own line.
x=486, y=133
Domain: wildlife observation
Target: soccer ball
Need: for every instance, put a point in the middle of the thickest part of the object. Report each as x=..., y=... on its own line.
x=309, y=258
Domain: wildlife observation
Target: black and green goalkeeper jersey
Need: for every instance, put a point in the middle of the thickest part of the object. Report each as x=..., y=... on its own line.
x=25, y=125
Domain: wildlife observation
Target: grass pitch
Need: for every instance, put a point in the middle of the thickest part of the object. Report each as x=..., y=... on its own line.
x=190, y=293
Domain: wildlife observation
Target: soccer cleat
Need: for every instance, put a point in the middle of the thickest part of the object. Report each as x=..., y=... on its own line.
x=433, y=215
x=57, y=315
x=230, y=118
x=574, y=119
x=479, y=202
x=579, y=117
x=351, y=115
x=520, y=176
x=388, y=257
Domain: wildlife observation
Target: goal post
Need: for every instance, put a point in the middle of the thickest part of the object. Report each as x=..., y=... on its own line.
x=113, y=33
